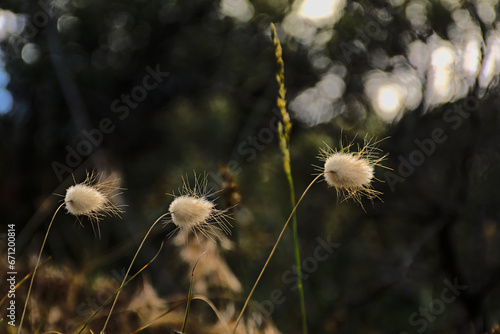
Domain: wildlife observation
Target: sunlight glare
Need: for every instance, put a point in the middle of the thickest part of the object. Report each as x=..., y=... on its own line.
x=388, y=102
x=443, y=84
x=392, y=94
x=241, y=10
x=318, y=9
x=471, y=62
x=388, y=99
x=491, y=62
x=442, y=57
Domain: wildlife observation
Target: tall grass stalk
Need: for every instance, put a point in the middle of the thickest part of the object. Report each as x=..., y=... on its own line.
x=284, y=135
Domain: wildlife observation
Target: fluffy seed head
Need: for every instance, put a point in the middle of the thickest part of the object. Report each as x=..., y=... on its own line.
x=188, y=211
x=192, y=211
x=351, y=173
x=92, y=199
x=345, y=170
x=82, y=199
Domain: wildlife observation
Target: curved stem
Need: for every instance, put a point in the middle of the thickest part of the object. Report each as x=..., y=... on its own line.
x=36, y=266
x=190, y=294
x=179, y=303
x=188, y=306
x=128, y=270
x=273, y=250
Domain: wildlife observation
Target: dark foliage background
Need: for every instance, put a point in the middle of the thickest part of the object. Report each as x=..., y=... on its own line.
x=439, y=221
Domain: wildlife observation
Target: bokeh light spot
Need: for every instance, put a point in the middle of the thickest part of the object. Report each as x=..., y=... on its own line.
x=241, y=10
x=6, y=101
x=30, y=53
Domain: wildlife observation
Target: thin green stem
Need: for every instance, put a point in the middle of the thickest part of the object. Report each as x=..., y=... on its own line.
x=36, y=267
x=284, y=130
x=297, y=255
x=272, y=252
x=190, y=294
x=188, y=306
x=128, y=270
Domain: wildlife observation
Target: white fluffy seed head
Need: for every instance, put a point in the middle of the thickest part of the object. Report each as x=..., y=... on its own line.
x=347, y=171
x=351, y=173
x=82, y=199
x=93, y=198
x=190, y=211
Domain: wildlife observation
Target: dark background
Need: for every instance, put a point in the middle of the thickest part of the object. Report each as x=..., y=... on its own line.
x=438, y=221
